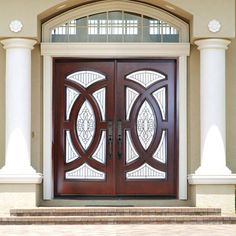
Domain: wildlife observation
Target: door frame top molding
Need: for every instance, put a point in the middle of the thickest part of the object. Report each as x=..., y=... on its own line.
x=179, y=51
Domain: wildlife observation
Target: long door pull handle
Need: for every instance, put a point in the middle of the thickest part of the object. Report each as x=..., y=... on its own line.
x=119, y=138
x=110, y=134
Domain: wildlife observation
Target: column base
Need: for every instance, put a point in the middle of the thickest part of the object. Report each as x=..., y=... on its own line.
x=20, y=178
x=214, y=191
x=23, y=175
x=17, y=196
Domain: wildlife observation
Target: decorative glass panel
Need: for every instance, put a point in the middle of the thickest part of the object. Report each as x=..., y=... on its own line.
x=131, y=96
x=71, y=96
x=160, y=96
x=146, y=172
x=115, y=26
x=85, y=78
x=146, y=125
x=66, y=29
x=86, y=124
x=71, y=153
x=131, y=153
x=100, y=153
x=85, y=172
x=145, y=77
x=100, y=97
x=161, y=152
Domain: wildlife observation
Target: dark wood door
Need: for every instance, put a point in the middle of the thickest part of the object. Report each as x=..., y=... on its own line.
x=114, y=127
x=146, y=111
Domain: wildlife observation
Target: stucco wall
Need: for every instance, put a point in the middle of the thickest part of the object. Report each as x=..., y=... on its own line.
x=231, y=106
x=195, y=11
x=37, y=109
x=193, y=110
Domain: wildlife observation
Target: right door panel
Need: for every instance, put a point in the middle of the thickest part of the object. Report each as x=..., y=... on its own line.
x=146, y=128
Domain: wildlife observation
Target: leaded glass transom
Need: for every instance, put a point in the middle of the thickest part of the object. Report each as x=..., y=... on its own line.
x=116, y=26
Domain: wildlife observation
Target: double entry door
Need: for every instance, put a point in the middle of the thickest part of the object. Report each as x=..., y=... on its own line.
x=114, y=127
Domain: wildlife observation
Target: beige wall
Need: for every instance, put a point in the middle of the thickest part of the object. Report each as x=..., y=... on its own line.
x=205, y=10
x=195, y=11
x=37, y=109
x=2, y=105
x=231, y=106
x=193, y=110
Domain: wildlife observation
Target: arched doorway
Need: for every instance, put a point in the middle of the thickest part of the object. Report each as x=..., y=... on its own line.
x=131, y=137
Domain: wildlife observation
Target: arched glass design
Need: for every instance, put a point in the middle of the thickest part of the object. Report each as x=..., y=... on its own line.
x=116, y=26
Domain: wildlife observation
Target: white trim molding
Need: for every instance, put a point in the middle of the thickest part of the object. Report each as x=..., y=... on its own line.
x=212, y=179
x=104, y=50
x=115, y=50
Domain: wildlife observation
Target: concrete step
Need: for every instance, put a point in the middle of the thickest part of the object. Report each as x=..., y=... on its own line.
x=116, y=211
x=151, y=219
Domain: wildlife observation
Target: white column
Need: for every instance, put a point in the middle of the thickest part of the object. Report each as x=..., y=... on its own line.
x=213, y=169
x=18, y=113
x=212, y=91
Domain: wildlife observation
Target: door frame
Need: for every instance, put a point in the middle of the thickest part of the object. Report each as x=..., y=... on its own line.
x=178, y=51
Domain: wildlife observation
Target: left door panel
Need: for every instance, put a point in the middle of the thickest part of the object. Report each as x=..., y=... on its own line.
x=83, y=98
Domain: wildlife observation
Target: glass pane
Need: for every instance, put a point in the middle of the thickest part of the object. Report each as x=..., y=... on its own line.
x=115, y=26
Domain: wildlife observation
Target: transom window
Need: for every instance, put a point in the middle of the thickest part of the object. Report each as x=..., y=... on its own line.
x=115, y=26
x=115, y=21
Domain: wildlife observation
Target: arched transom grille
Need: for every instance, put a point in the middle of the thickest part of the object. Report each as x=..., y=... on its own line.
x=116, y=26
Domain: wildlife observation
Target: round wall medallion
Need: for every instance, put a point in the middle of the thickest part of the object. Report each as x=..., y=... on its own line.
x=214, y=26
x=15, y=26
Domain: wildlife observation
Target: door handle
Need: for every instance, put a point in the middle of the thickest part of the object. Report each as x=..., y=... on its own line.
x=110, y=134
x=119, y=138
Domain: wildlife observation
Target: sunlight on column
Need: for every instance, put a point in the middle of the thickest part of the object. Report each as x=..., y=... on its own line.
x=213, y=153
x=17, y=153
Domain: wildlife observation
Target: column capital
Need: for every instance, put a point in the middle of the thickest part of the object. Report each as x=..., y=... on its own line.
x=212, y=43
x=18, y=43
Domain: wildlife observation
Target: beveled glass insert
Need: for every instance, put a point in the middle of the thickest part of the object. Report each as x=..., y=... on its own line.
x=161, y=152
x=146, y=125
x=145, y=172
x=160, y=96
x=145, y=77
x=85, y=172
x=85, y=78
x=86, y=125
